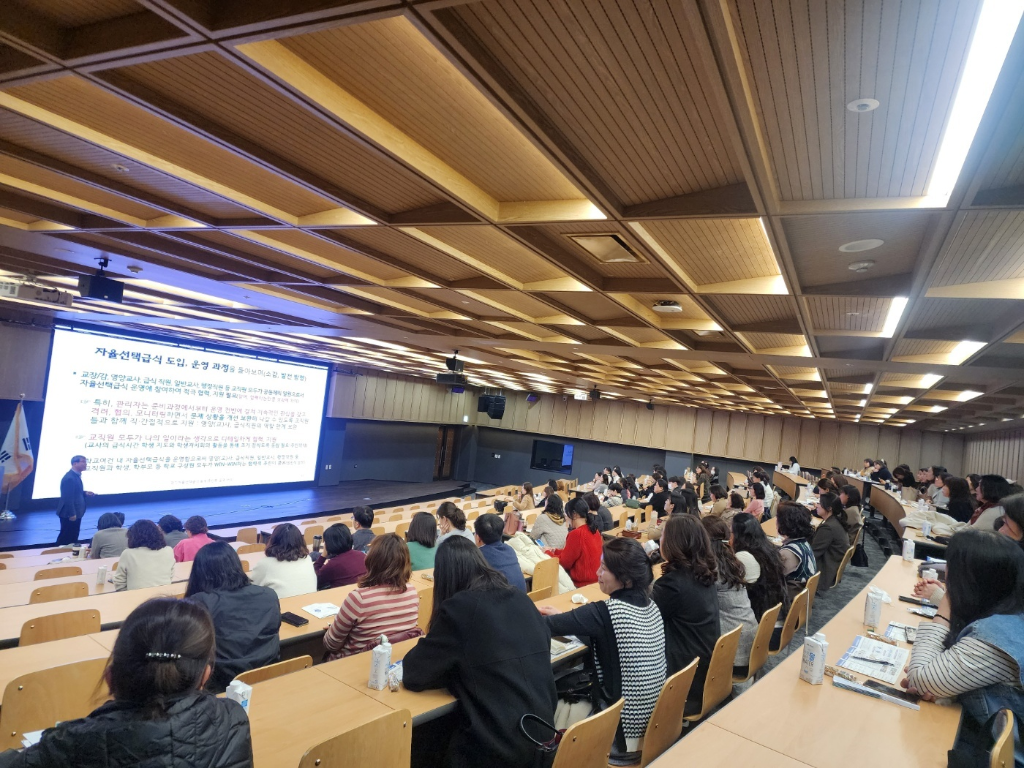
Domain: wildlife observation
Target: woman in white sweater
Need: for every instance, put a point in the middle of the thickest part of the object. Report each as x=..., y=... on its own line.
x=550, y=526
x=148, y=561
x=286, y=569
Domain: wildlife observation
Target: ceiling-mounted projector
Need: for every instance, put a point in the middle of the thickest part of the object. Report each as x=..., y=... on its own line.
x=667, y=307
x=453, y=379
x=35, y=294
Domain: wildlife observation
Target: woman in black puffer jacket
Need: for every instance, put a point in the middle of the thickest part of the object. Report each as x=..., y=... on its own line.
x=160, y=717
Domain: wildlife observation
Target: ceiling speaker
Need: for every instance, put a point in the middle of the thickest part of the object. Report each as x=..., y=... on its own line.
x=497, y=407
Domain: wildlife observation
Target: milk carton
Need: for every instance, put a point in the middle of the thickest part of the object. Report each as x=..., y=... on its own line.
x=379, y=663
x=240, y=692
x=812, y=666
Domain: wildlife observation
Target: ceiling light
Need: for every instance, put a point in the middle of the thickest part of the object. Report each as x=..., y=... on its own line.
x=863, y=105
x=861, y=266
x=862, y=403
x=121, y=168
x=892, y=317
x=929, y=380
x=868, y=388
x=861, y=245
x=964, y=350
x=992, y=36
x=938, y=408
x=968, y=394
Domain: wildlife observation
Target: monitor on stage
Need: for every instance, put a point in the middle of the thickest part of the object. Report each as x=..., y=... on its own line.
x=164, y=415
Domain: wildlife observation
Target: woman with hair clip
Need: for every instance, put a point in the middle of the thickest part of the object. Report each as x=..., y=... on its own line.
x=627, y=642
x=581, y=555
x=973, y=648
x=733, y=601
x=750, y=544
x=687, y=596
x=159, y=716
x=830, y=540
x=550, y=525
x=506, y=673
x=451, y=521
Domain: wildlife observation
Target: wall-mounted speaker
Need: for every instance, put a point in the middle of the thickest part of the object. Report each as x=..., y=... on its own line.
x=483, y=403
x=497, y=407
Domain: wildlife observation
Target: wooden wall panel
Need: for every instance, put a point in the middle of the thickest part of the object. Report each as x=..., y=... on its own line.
x=848, y=454
x=790, y=445
x=702, y=432
x=558, y=412
x=682, y=422
x=867, y=444
x=771, y=446
x=658, y=427
x=828, y=439
x=572, y=417
x=953, y=453
x=720, y=427
x=910, y=448
x=753, y=439
x=931, y=448
x=808, y=453
x=643, y=425
x=737, y=435
x=1000, y=453
x=888, y=446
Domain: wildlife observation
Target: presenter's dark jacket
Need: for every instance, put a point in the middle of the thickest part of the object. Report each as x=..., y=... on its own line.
x=199, y=731
x=72, y=496
x=492, y=650
x=246, y=623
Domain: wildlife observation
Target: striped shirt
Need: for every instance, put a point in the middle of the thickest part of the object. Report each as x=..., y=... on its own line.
x=969, y=664
x=368, y=613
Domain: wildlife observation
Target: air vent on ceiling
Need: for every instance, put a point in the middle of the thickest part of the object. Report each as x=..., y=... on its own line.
x=608, y=249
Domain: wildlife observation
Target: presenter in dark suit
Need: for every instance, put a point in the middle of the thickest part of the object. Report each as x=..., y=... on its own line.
x=71, y=507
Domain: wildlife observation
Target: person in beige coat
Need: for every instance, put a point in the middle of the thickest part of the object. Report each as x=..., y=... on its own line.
x=147, y=562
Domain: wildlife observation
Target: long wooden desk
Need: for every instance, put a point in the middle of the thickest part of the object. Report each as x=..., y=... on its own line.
x=888, y=504
x=734, y=479
x=823, y=726
x=788, y=483
x=712, y=747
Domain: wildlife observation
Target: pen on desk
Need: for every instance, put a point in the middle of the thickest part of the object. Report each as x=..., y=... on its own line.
x=873, y=661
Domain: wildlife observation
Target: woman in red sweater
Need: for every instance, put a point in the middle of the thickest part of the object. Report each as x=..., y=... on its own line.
x=581, y=556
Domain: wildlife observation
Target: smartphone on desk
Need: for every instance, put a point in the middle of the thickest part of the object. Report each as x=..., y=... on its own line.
x=294, y=619
x=888, y=690
x=914, y=600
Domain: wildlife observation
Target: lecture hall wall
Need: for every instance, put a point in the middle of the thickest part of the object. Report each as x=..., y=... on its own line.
x=741, y=436
x=1000, y=453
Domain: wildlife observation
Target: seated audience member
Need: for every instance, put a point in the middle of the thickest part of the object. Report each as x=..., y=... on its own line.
x=931, y=475
x=973, y=649
x=421, y=538
x=685, y=501
x=1013, y=520
x=904, y=476
x=286, y=569
x=362, y=521
x=499, y=555
x=195, y=529
x=385, y=603
x=581, y=556
x=974, y=480
x=550, y=526
x=719, y=500
x=246, y=617
x=630, y=496
x=733, y=601
x=524, y=501
x=769, y=588
x=687, y=597
x=736, y=505
x=849, y=497
x=880, y=473
x=452, y=522
x=991, y=490
x=828, y=545
x=110, y=539
x=601, y=482
x=769, y=494
x=655, y=527
x=869, y=467
x=794, y=466
x=507, y=672
x=626, y=626
x=159, y=715
x=340, y=563
x=660, y=495
x=798, y=563
x=604, y=515
x=755, y=506
x=959, y=504
x=173, y=530
x=614, y=496
x=148, y=561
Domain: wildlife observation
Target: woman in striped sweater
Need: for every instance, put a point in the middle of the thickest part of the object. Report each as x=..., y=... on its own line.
x=385, y=603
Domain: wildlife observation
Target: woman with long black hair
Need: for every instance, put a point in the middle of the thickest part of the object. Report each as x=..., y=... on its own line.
x=769, y=588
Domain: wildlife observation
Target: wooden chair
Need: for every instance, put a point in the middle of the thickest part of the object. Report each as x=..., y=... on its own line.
x=718, y=685
x=309, y=522
x=759, y=650
x=842, y=566
x=57, y=573
x=471, y=516
x=3, y=567
x=378, y=530
x=56, y=551
x=311, y=531
x=426, y=609
x=248, y=535
x=335, y=519
x=531, y=519
x=245, y=566
x=41, y=699
x=57, y=626
x=623, y=518
x=797, y=609
x=589, y=741
x=1001, y=755
x=384, y=742
x=812, y=589
x=5, y=555
x=539, y=594
x=667, y=718
x=401, y=509
x=59, y=592
x=545, y=574
x=248, y=549
x=396, y=518
x=563, y=496
x=271, y=671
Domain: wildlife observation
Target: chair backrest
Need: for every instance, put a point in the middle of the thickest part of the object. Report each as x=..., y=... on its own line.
x=248, y=549
x=539, y=594
x=718, y=685
x=248, y=535
x=57, y=626
x=384, y=742
x=401, y=509
x=762, y=638
x=5, y=555
x=797, y=610
x=335, y=519
x=563, y=495
x=3, y=567
x=1001, y=755
x=402, y=527
x=57, y=573
x=59, y=592
x=271, y=671
x=396, y=517
x=667, y=718
x=56, y=551
x=41, y=699
x=812, y=589
x=378, y=530
x=545, y=574
x=311, y=531
x=473, y=515
x=245, y=566
x=842, y=566
x=426, y=608
x=531, y=519
x=623, y=517
x=309, y=522
x=588, y=742
x=773, y=510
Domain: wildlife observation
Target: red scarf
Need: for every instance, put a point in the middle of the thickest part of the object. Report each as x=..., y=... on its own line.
x=979, y=510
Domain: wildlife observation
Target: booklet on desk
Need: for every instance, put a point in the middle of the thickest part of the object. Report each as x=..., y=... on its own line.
x=321, y=610
x=848, y=685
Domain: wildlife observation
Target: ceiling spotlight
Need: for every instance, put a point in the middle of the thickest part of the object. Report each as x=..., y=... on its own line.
x=863, y=105
x=861, y=245
x=134, y=268
x=650, y=405
x=121, y=168
x=667, y=307
x=861, y=266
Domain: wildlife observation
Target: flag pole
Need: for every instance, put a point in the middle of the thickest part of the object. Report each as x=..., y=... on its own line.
x=7, y=515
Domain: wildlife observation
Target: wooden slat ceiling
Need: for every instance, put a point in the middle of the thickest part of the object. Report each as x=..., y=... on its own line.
x=378, y=184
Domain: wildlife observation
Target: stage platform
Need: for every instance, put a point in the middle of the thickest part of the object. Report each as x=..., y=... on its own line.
x=39, y=527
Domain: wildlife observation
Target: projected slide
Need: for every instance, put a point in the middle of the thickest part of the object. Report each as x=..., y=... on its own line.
x=158, y=416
